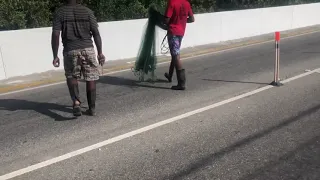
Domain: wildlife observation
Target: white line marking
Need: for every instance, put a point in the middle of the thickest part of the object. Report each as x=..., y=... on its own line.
x=192, y=57
x=300, y=76
x=139, y=131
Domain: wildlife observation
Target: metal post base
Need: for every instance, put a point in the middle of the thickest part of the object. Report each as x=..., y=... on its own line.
x=276, y=84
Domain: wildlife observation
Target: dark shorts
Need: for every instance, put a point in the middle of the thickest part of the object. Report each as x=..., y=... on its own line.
x=81, y=62
x=174, y=44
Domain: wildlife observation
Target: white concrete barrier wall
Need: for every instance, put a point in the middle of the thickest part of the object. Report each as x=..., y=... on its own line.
x=2, y=70
x=240, y=24
x=276, y=19
x=28, y=51
x=305, y=15
x=206, y=30
x=121, y=39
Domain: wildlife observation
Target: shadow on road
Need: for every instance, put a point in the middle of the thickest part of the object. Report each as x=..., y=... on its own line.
x=40, y=107
x=205, y=161
x=119, y=81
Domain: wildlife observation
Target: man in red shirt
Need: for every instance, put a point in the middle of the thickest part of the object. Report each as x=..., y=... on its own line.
x=177, y=15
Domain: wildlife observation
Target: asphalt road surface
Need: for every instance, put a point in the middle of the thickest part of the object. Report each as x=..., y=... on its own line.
x=273, y=133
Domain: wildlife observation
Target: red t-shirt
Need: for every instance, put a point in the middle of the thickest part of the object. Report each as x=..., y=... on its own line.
x=178, y=12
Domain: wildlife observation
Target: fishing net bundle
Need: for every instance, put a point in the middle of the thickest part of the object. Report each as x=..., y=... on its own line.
x=146, y=61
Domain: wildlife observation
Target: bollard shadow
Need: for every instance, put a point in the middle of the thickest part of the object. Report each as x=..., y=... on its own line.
x=211, y=158
x=119, y=81
x=229, y=81
x=39, y=107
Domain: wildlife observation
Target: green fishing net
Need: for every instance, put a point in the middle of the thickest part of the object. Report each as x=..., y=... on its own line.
x=146, y=61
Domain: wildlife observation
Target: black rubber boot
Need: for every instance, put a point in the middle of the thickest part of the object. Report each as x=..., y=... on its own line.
x=181, y=76
x=169, y=75
x=91, y=97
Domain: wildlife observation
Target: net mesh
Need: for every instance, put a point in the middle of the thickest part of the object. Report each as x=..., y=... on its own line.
x=146, y=61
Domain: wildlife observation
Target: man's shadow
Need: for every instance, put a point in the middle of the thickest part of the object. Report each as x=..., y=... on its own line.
x=40, y=107
x=119, y=81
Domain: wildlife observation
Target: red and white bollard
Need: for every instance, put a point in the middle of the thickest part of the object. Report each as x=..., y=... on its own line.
x=276, y=80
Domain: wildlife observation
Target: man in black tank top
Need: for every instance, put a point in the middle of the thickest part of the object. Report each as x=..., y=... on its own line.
x=77, y=25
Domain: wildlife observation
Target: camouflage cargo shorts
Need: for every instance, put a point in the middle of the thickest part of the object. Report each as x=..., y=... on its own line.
x=81, y=62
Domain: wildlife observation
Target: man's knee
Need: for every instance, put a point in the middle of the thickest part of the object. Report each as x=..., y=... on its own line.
x=91, y=74
x=91, y=85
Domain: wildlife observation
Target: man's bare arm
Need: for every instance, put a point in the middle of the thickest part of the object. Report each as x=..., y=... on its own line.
x=168, y=13
x=95, y=33
x=55, y=36
x=55, y=43
x=166, y=20
x=190, y=17
x=97, y=41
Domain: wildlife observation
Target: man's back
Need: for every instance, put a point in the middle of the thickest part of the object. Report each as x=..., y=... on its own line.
x=76, y=23
x=178, y=11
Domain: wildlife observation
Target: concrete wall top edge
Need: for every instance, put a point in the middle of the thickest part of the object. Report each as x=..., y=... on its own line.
x=132, y=20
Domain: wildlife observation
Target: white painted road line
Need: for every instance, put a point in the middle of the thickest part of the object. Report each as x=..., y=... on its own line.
x=141, y=130
x=192, y=57
x=300, y=76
